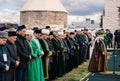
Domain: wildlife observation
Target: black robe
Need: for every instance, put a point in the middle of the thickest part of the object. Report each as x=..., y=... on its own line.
x=13, y=57
x=58, y=57
x=3, y=72
x=51, y=62
x=45, y=58
x=66, y=54
x=83, y=46
x=23, y=51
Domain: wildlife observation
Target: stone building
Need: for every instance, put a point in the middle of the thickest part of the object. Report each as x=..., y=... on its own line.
x=88, y=23
x=43, y=12
x=111, y=20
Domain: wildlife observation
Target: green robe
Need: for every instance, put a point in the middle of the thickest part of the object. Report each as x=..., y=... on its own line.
x=105, y=41
x=59, y=57
x=35, y=68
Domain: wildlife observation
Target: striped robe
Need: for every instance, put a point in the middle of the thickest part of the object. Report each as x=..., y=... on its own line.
x=98, y=61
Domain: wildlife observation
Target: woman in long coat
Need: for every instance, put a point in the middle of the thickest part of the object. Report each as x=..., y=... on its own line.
x=98, y=61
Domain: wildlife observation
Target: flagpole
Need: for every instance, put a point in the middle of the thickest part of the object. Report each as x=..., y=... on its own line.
x=114, y=51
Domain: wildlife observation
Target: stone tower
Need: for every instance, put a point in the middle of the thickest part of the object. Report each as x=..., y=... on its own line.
x=111, y=18
x=43, y=12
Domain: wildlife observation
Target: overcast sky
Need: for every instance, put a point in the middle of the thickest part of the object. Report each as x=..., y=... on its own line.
x=78, y=10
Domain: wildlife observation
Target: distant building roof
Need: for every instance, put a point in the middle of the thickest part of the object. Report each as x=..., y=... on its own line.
x=8, y=25
x=90, y=24
x=43, y=5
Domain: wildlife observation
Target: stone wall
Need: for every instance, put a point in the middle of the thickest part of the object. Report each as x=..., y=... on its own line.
x=119, y=16
x=43, y=18
x=111, y=19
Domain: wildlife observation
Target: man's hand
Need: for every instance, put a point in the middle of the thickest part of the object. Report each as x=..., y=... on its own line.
x=7, y=68
x=103, y=53
x=17, y=63
x=30, y=57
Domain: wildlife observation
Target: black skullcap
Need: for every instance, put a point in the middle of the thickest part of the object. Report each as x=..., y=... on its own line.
x=47, y=27
x=3, y=28
x=85, y=29
x=51, y=33
x=12, y=33
x=21, y=27
x=35, y=28
x=72, y=33
x=37, y=31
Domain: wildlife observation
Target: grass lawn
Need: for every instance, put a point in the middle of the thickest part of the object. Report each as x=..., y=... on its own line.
x=78, y=74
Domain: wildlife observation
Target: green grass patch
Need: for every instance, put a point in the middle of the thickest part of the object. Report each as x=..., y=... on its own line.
x=78, y=74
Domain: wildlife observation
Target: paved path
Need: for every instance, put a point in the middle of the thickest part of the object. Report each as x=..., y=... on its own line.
x=114, y=72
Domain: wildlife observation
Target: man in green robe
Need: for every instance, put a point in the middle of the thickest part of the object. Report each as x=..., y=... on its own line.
x=58, y=49
x=35, y=68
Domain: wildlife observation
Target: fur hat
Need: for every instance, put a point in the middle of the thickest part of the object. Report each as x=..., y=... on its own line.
x=3, y=34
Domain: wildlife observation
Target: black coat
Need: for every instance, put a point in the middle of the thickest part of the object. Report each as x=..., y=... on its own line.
x=13, y=54
x=23, y=51
x=50, y=44
x=56, y=43
x=3, y=72
x=3, y=50
x=44, y=46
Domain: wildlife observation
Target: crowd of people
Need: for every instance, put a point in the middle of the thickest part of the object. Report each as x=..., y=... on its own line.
x=43, y=54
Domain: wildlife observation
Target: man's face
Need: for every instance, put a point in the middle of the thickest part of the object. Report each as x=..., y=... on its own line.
x=72, y=36
x=55, y=32
x=22, y=32
x=28, y=37
x=64, y=35
x=3, y=41
x=12, y=39
x=37, y=35
x=45, y=36
x=80, y=32
x=50, y=36
x=85, y=31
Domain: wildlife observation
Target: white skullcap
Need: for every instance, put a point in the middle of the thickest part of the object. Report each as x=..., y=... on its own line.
x=30, y=32
x=78, y=29
x=45, y=31
x=60, y=33
x=67, y=30
x=55, y=29
x=71, y=30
